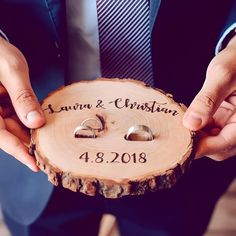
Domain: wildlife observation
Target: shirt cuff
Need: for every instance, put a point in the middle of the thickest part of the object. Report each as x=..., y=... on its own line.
x=225, y=38
x=3, y=35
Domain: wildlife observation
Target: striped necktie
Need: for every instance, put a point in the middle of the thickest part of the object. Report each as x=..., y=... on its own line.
x=125, y=39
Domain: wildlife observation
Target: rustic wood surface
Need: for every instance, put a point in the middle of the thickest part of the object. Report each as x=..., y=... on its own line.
x=110, y=164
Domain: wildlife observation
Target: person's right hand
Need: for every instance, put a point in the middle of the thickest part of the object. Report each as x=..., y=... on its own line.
x=19, y=107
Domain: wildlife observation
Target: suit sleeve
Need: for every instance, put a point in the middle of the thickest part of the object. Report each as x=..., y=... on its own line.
x=2, y=34
x=229, y=30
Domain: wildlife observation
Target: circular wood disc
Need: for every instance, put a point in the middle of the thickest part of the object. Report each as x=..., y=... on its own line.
x=112, y=137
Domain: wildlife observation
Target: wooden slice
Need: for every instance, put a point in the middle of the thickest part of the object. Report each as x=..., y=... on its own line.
x=112, y=137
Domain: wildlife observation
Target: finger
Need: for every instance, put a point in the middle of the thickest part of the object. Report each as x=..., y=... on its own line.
x=15, y=78
x=232, y=99
x=222, y=157
x=211, y=145
x=223, y=114
x=217, y=87
x=13, y=146
x=14, y=127
x=203, y=107
x=223, y=144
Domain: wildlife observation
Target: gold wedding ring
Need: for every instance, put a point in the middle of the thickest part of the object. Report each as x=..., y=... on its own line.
x=139, y=133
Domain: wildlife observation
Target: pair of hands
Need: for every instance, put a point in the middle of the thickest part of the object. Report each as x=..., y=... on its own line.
x=212, y=111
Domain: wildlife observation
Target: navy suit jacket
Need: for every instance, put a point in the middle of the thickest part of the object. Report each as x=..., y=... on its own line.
x=184, y=37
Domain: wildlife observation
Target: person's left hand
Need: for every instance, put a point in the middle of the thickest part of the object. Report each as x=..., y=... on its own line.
x=213, y=110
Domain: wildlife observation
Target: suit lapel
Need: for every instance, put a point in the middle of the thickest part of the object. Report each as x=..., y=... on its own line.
x=154, y=7
x=56, y=10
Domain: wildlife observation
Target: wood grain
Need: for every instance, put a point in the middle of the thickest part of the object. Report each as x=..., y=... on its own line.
x=109, y=164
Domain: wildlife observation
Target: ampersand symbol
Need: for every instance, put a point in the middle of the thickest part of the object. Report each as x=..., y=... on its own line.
x=100, y=104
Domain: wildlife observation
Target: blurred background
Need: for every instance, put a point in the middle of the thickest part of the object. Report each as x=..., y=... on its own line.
x=223, y=221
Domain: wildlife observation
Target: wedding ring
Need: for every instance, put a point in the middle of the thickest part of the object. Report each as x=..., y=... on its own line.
x=139, y=133
x=84, y=131
x=94, y=122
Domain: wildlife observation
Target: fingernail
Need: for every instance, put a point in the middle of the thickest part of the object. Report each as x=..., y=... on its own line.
x=192, y=121
x=33, y=116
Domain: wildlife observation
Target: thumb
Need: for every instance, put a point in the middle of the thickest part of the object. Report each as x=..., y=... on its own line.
x=205, y=104
x=200, y=111
x=28, y=108
x=23, y=98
